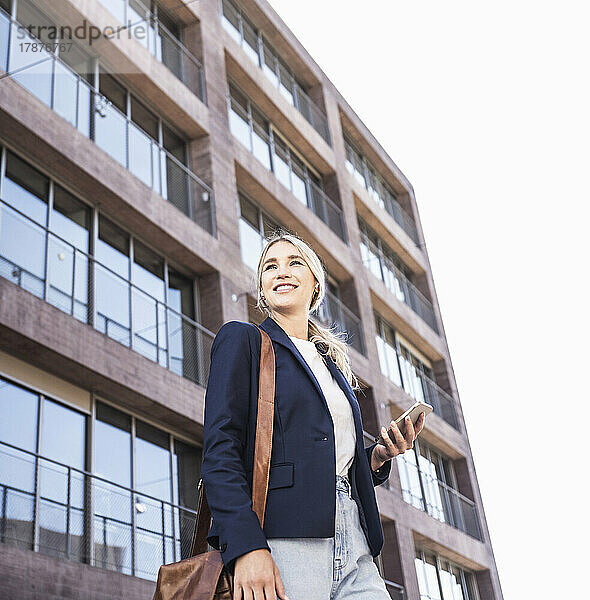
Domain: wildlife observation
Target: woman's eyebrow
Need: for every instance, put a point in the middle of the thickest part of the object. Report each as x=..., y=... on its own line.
x=275, y=260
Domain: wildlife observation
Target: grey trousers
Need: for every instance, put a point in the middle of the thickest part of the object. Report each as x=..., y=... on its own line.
x=331, y=568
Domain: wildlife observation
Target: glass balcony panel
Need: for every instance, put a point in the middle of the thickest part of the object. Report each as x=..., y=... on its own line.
x=261, y=147
x=299, y=188
x=239, y=127
x=281, y=167
x=22, y=251
x=65, y=93
x=34, y=77
x=140, y=154
x=145, y=325
x=110, y=130
x=250, y=244
x=171, y=54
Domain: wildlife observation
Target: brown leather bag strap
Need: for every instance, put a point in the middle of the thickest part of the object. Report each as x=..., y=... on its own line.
x=262, y=449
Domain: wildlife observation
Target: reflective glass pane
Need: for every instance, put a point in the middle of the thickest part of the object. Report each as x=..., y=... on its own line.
x=231, y=20
x=239, y=126
x=110, y=130
x=4, y=29
x=35, y=67
x=140, y=154
x=18, y=427
x=112, y=287
x=116, y=7
x=269, y=66
x=281, y=165
x=250, y=244
x=69, y=450
x=112, y=462
x=65, y=93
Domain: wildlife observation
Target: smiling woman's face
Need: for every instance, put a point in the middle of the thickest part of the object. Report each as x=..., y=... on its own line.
x=284, y=264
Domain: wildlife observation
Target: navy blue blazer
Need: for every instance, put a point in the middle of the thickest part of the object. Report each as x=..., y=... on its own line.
x=301, y=500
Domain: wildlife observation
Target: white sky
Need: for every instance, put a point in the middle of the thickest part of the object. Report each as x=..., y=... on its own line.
x=484, y=107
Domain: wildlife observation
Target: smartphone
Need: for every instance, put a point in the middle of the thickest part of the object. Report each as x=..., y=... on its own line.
x=413, y=412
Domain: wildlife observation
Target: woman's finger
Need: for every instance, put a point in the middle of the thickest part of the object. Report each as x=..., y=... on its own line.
x=410, y=434
x=420, y=423
x=399, y=438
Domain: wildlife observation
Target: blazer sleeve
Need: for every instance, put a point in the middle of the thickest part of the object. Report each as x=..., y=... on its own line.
x=381, y=475
x=224, y=438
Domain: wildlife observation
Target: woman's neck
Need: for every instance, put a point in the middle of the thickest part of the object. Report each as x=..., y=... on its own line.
x=295, y=326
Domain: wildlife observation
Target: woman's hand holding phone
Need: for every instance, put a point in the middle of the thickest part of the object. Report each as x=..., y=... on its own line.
x=399, y=444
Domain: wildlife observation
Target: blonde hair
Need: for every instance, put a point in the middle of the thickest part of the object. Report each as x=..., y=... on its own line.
x=334, y=342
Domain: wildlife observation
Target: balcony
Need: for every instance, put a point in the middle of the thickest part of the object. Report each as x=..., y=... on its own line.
x=58, y=510
x=73, y=98
x=161, y=43
x=264, y=57
x=396, y=281
x=255, y=137
x=58, y=272
x=459, y=511
x=333, y=313
x=379, y=191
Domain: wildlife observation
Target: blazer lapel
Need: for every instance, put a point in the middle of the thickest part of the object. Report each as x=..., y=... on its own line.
x=278, y=334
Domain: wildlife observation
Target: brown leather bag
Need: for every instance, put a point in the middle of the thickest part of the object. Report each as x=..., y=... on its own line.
x=203, y=576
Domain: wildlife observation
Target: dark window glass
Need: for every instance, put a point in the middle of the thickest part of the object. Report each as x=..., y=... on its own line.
x=18, y=426
x=113, y=90
x=180, y=294
x=186, y=471
x=174, y=144
x=249, y=212
x=143, y=117
x=184, y=337
x=5, y=4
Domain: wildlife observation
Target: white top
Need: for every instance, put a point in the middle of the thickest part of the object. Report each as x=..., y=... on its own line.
x=340, y=409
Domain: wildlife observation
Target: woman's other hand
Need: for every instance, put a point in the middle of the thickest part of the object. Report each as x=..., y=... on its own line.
x=257, y=577
x=399, y=444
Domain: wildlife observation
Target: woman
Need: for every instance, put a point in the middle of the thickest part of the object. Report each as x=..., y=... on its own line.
x=322, y=526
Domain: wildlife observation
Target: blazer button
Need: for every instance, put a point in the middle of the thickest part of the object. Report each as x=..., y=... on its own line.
x=324, y=439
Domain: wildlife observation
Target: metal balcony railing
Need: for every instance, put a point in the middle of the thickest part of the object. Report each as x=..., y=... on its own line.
x=160, y=42
x=66, y=92
x=459, y=511
x=333, y=312
x=75, y=282
x=262, y=146
x=58, y=510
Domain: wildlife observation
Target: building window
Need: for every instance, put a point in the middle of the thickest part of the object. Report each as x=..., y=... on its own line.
x=163, y=473
x=124, y=289
x=142, y=493
x=439, y=579
x=255, y=228
x=40, y=466
x=276, y=70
